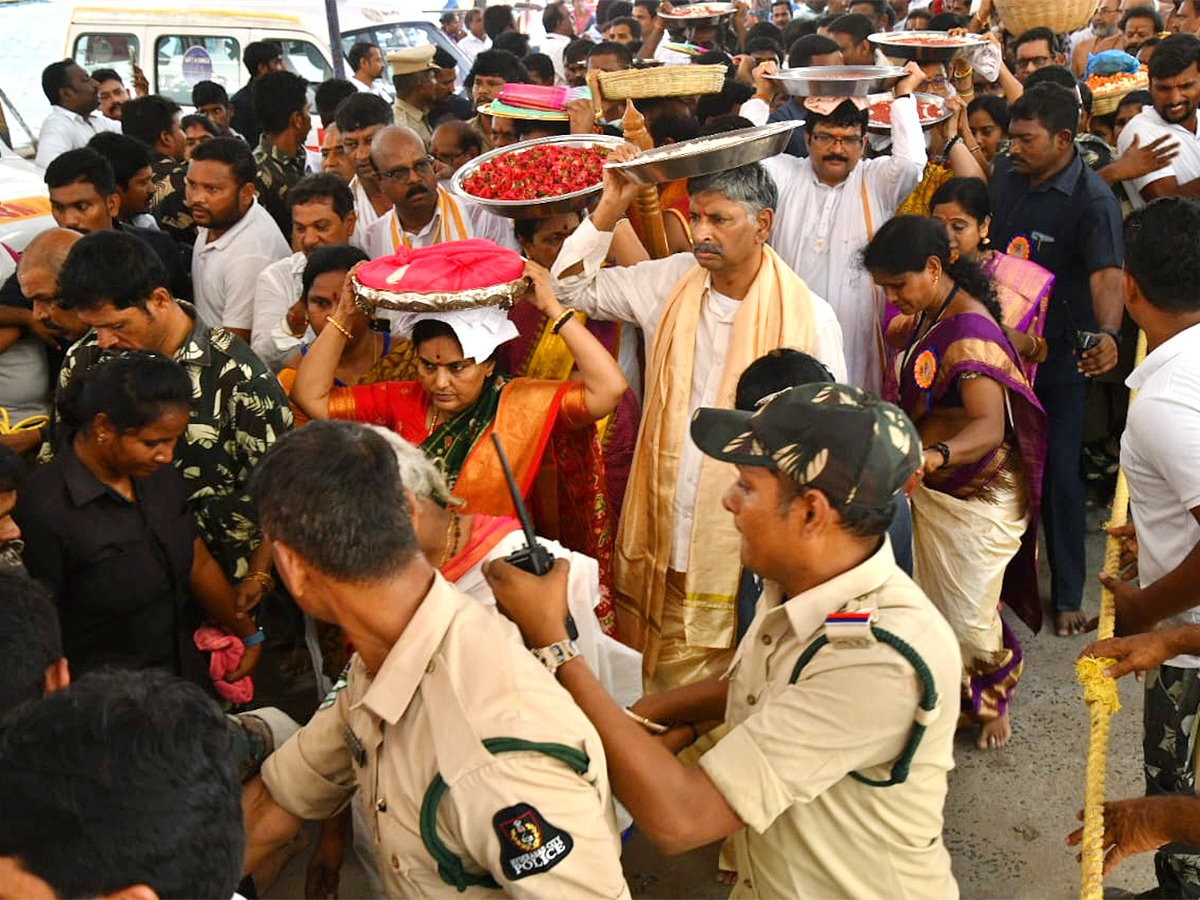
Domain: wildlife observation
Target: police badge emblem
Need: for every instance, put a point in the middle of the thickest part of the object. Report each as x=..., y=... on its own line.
x=528, y=843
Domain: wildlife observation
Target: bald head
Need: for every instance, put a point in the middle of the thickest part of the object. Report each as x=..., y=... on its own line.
x=406, y=174
x=37, y=274
x=395, y=139
x=48, y=251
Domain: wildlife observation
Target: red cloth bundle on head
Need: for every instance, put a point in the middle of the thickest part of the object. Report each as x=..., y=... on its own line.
x=448, y=267
x=535, y=96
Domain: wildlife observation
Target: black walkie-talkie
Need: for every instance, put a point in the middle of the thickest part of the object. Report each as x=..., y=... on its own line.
x=533, y=557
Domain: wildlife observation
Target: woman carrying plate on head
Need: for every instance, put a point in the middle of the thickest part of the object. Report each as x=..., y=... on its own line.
x=459, y=398
x=975, y=510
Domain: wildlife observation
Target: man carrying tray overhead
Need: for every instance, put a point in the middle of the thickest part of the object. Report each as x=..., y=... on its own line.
x=835, y=201
x=423, y=212
x=705, y=316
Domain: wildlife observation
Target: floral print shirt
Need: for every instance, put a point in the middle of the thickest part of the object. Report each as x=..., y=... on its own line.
x=238, y=411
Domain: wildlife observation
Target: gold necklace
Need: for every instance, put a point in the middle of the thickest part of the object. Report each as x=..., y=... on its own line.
x=453, y=536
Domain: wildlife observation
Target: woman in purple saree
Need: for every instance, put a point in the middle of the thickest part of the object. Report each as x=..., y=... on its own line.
x=974, y=512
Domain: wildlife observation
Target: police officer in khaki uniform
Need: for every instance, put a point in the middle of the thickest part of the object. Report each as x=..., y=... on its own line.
x=473, y=769
x=842, y=697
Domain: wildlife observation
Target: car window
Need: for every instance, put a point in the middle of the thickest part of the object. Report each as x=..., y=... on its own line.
x=180, y=61
x=398, y=35
x=305, y=60
x=108, y=51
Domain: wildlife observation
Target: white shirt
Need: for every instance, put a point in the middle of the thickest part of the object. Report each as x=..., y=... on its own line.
x=669, y=57
x=472, y=46
x=553, y=46
x=225, y=272
x=1159, y=450
x=376, y=87
x=1148, y=125
x=63, y=130
x=364, y=212
x=638, y=294
x=821, y=230
x=277, y=288
x=478, y=221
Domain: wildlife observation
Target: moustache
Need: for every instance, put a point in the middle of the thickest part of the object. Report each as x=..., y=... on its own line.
x=837, y=157
x=416, y=192
x=705, y=247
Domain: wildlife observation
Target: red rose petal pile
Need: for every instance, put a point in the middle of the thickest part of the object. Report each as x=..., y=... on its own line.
x=881, y=112
x=538, y=173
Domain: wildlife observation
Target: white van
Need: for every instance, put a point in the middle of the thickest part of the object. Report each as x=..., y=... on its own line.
x=177, y=45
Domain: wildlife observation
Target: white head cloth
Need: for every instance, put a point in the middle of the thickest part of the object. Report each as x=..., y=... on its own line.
x=479, y=331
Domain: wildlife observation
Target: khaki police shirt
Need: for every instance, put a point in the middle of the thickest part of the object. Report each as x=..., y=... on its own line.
x=407, y=114
x=813, y=831
x=459, y=674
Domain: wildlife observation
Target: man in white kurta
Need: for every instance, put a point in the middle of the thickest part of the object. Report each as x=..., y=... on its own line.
x=423, y=213
x=830, y=206
x=682, y=646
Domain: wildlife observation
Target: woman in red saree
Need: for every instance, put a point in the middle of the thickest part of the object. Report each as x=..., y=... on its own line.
x=459, y=400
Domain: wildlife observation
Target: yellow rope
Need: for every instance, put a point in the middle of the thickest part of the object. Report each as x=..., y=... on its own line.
x=1100, y=695
x=32, y=423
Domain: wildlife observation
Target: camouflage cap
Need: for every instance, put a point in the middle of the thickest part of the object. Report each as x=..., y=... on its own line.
x=853, y=447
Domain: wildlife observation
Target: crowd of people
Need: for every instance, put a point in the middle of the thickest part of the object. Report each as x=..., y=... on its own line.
x=787, y=442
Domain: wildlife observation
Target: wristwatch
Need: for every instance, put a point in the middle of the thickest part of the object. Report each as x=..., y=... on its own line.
x=556, y=654
x=1114, y=333
x=942, y=449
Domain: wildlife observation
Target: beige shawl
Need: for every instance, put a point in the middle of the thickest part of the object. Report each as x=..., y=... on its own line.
x=776, y=312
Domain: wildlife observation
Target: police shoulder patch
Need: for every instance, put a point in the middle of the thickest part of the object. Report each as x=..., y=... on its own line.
x=528, y=843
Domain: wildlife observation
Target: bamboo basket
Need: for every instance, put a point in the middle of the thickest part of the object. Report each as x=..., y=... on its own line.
x=1103, y=104
x=1060, y=16
x=662, y=81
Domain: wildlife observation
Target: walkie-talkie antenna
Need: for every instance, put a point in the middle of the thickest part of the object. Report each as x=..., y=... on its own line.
x=533, y=558
x=515, y=493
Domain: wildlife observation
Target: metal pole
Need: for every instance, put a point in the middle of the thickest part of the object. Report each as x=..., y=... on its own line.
x=335, y=39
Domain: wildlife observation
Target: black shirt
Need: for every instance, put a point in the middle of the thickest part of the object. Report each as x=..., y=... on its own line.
x=117, y=570
x=169, y=252
x=245, y=117
x=1070, y=225
x=456, y=106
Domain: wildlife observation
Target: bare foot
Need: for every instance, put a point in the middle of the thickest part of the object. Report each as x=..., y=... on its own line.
x=1069, y=623
x=994, y=734
x=726, y=877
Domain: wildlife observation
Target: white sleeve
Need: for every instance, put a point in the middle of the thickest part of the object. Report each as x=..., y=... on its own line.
x=620, y=293
x=273, y=296
x=53, y=140
x=238, y=282
x=828, y=345
x=494, y=228
x=756, y=110
x=1147, y=132
x=893, y=178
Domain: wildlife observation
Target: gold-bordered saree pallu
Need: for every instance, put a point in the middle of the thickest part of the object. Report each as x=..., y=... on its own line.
x=776, y=312
x=975, y=525
x=549, y=439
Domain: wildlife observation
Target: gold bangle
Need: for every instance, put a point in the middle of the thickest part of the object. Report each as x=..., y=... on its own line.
x=263, y=578
x=567, y=315
x=340, y=327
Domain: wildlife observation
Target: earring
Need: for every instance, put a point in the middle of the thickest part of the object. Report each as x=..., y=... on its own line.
x=937, y=278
